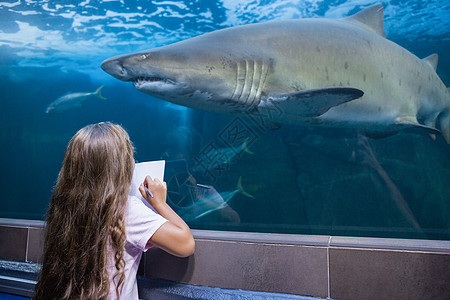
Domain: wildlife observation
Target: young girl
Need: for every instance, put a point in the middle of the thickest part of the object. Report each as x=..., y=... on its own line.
x=96, y=233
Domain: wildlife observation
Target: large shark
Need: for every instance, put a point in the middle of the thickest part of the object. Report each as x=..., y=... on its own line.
x=321, y=72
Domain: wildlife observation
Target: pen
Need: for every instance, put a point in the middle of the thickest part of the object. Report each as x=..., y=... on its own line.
x=148, y=192
x=203, y=186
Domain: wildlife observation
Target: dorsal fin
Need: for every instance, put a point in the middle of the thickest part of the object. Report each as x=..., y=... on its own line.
x=432, y=60
x=371, y=18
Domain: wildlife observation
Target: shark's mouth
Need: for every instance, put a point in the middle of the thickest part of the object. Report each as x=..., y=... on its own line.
x=155, y=85
x=138, y=81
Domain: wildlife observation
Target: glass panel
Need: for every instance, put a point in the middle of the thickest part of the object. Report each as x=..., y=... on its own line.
x=224, y=172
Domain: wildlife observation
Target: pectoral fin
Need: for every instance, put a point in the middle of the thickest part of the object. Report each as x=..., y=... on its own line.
x=411, y=125
x=313, y=103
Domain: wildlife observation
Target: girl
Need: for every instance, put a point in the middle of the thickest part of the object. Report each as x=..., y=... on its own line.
x=96, y=233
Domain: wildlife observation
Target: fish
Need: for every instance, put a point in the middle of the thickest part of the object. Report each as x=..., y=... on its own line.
x=71, y=100
x=219, y=157
x=336, y=73
x=209, y=200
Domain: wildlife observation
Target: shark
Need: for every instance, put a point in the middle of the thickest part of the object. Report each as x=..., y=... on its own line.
x=338, y=73
x=71, y=100
x=208, y=200
x=218, y=158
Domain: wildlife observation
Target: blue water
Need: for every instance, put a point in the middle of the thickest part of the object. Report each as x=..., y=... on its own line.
x=298, y=180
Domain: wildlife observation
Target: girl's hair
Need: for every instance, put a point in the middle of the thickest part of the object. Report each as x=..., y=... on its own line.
x=86, y=218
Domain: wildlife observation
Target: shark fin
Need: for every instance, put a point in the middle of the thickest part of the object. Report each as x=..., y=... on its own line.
x=411, y=125
x=315, y=102
x=378, y=134
x=432, y=60
x=371, y=18
x=98, y=93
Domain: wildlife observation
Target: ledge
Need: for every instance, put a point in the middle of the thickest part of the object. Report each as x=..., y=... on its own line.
x=312, y=265
x=263, y=238
x=432, y=246
x=291, y=239
x=21, y=223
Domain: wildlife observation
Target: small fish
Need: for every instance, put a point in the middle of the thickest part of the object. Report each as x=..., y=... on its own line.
x=71, y=100
x=209, y=200
x=219, y=157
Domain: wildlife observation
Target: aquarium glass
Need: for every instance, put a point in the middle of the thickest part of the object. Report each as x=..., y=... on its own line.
x=224, y=172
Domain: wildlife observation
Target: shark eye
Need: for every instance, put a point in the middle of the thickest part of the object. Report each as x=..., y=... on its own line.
x=144, y=56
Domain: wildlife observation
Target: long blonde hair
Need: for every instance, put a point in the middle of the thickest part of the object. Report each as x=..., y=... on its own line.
x=86, y=216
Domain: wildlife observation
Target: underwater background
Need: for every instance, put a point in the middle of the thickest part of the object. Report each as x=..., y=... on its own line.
x=223, y=172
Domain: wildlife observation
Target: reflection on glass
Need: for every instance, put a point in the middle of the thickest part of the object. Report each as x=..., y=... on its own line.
x=193, y=200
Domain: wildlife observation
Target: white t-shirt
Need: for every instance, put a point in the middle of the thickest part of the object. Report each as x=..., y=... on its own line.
x=141, y=223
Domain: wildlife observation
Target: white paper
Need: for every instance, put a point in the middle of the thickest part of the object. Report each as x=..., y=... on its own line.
x=154, y=169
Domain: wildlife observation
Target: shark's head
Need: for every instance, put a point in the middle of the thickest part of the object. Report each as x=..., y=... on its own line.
x=182, y=74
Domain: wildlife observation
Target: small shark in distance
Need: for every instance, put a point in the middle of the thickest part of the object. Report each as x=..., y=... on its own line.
x=338, y=73
x=72, y=100
x=220, y=157
x=208, y=200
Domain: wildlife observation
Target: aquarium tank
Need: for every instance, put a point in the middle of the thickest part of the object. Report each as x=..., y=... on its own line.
x=223, y=171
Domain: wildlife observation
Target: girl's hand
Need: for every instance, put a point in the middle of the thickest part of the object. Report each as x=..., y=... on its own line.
x=173, y=236
x=157, y=188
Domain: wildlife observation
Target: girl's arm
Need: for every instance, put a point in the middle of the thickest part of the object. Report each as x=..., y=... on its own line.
x=174, y=236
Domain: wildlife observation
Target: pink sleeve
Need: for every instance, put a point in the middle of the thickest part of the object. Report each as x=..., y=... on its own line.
x=141, y=223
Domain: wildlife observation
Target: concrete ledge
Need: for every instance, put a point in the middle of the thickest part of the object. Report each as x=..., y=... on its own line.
x=390, y=244
x=385, y=274
x=326, y=241
x=21, y=240
x=19, y=278
x=263, y=238
x=242, y=265
x=319, y=266
x=21, y=223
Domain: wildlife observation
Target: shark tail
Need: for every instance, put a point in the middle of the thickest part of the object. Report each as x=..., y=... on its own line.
x=245, y=147
x=98, y=93
x=241, y=189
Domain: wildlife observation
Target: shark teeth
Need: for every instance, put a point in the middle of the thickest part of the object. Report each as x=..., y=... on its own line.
x=153, y=83
x=142, y=80
x=152, y=78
